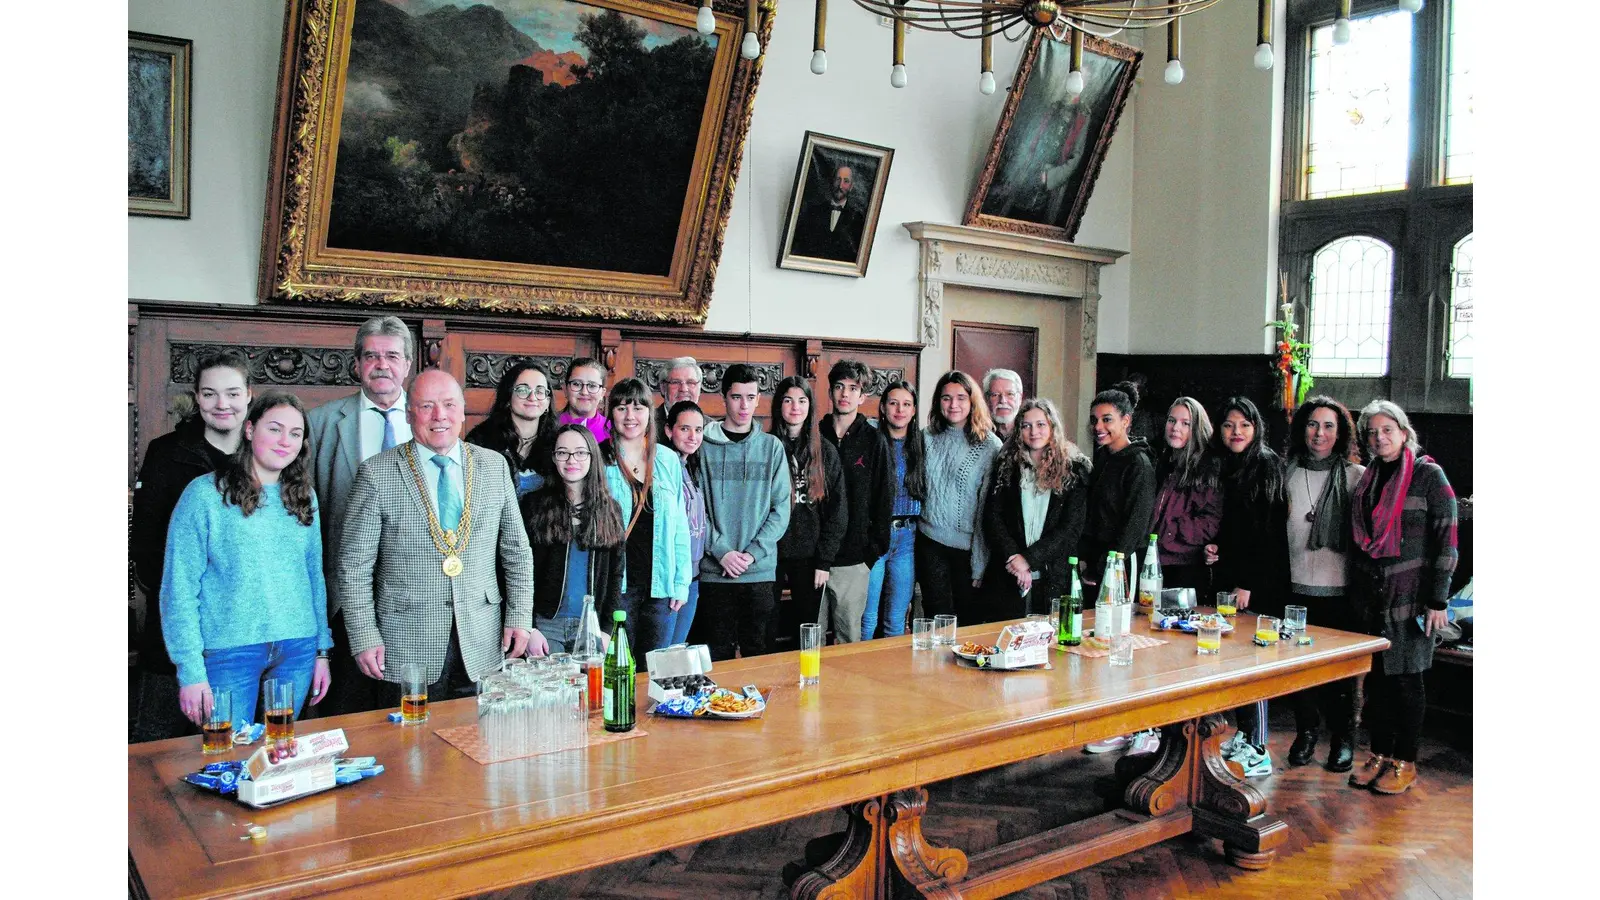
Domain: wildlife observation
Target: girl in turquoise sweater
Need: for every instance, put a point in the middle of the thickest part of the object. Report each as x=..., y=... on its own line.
x=242, y=591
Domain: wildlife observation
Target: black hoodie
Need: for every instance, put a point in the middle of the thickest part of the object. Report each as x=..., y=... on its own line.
x=1122, y=498
x=171, y=462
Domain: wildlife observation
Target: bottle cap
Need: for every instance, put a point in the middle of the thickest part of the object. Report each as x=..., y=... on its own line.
x=1072, y=560
x=619, y=615
x=1152, y=537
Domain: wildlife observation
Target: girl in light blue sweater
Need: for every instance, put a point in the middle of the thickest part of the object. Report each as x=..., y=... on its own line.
x=242, y=591
x=960, y=449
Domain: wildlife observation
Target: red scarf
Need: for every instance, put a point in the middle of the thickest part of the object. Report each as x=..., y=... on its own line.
x=1378, y=535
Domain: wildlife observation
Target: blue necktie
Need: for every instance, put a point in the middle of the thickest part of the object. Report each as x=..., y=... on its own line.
x=449, y=503
x=388, y=428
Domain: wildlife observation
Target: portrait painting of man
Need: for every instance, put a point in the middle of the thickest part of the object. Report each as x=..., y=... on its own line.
x=834, y=211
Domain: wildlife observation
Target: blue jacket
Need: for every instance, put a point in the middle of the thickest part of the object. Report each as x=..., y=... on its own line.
x=672, y=569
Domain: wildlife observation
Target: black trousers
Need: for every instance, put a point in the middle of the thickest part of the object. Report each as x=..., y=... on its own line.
x=1334, y=701
x=453, y=683
x=799, y=575
x=1395, y=707
x=734, y=618
x=945, y=576
x=351, y=691
x=1196, y=576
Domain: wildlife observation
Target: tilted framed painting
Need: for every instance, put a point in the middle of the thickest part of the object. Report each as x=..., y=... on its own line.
x=1047, y=149
x=546, y=157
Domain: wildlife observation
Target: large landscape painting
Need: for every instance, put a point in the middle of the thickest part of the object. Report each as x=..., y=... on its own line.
x=523, y=131
x=527, y=155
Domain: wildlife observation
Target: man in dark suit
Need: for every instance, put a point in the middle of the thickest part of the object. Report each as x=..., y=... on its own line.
x=829, y=227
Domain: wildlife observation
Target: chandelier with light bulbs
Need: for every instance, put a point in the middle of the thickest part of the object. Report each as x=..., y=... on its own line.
x=1066, y=20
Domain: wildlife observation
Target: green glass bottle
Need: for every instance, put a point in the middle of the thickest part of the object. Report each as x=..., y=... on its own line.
x=1072, y=610
x=617, y=688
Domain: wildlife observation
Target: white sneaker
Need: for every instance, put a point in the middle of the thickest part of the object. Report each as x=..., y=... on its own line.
x=1231, y=746
x=1147, y=741
x=1107, y=745
x=1256, y=763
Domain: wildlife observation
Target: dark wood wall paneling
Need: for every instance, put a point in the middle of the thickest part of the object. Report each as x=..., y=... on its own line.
x=308, y=349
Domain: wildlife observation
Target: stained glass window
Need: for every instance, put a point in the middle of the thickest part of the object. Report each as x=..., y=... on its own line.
x=1460, y=340
x=1458, y=133
x=1359, y=107
x=1351, y=282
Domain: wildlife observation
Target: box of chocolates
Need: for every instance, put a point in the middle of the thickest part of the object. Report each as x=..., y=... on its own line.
x=275, y=774
x=1023, y=644
x=679, y=671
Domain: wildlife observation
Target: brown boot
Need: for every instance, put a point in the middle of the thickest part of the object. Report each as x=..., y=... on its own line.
x=1369, y=771
x=1396, y=778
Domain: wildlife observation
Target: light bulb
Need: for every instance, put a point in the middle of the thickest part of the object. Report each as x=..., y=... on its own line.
x=986, y=83
x=1411, y=6
x=897, y=76
x=819, y=62
x=1263, y=58
x=704, y=21
x=1075, y=82
x=751, y=47
x=1341, y=31
x=1174, y=72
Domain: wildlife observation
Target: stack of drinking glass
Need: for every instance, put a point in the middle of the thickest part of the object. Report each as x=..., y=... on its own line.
x=533, y=706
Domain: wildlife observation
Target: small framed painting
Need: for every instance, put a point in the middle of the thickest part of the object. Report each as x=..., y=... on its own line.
x=158, y=125
x=833, y=209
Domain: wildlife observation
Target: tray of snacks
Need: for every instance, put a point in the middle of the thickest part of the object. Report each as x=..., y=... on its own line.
x=278, y=772
x=1021, y=645
x=969, y=650
x=713, y=703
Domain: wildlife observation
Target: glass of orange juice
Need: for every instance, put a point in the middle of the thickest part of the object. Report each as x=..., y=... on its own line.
x=1225, y=603
x=810, y=654
x=1208, y=636
x=1267, y=630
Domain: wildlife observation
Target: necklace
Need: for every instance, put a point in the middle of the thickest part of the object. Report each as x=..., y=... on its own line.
x=450, y=542
x=1312, y=515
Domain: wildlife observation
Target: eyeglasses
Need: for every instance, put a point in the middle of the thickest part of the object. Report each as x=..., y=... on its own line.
x=564, y=455
x=680, y=383
x=525, y=391
x=584, y=387
x=392, y=358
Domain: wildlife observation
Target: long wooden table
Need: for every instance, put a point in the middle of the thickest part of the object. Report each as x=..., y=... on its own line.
x=885, y=721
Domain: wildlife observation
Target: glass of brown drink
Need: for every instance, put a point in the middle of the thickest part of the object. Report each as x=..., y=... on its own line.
x=216, y=732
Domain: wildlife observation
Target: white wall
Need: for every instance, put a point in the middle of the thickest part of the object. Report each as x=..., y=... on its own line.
x=939, y=126
x=1205, y=234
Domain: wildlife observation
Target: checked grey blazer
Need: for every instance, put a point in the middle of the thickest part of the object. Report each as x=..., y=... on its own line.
x=389, y=575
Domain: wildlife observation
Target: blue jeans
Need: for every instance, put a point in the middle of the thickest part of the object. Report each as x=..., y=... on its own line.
x=240, y=670
x=889, y=587
x=677, y=627
x=560, y=631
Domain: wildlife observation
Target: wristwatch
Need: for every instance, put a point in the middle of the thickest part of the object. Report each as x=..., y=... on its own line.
x=322, y=654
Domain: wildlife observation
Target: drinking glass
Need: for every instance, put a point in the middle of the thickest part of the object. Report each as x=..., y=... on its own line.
x=413, y=695
x=1122, y=647
x=277, y=708
x=944, y=630
x=492, y=719
x=1267, y=630
x=1225, y=604
x=1208, y=637
x=1294, y=619
x=922, y=634
x=810, y=654
x=216, y=733
x=1055, y=613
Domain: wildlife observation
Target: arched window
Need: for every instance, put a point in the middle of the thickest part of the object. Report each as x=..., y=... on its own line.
x=1460, y=340
x=1351, y=284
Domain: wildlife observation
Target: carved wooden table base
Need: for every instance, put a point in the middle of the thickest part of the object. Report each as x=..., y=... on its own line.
x=1184, y=786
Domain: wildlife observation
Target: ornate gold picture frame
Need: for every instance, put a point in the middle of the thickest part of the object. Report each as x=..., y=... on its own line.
x=543, y=157
x=1047, y=149
x=158, y=125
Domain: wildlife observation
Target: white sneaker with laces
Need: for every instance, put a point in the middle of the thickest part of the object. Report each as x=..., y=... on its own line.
x=1147, y=741
x=1256, y=763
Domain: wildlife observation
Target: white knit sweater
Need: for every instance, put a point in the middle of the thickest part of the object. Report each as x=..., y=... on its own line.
x=958, y=478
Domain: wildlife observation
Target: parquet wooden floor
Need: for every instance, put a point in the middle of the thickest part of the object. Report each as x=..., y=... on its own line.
x=1343, y=844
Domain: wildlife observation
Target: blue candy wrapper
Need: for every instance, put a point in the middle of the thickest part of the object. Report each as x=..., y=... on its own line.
x=249, y=734
x=395, y=717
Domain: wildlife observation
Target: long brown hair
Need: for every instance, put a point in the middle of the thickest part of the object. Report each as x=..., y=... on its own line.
x=1054, y=471
x=1195, y=464
x=236, y=479
x=979, y=425
x=916, y=466
x=632, y=391
x=804, y=450
x=549, y=515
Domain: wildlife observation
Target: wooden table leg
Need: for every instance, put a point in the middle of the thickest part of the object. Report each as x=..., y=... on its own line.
x=1228, y=807
x=844, y=866
x=1153, y=783
x=918, y=865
